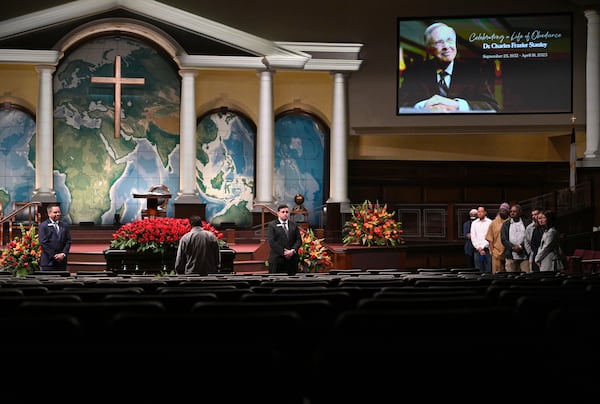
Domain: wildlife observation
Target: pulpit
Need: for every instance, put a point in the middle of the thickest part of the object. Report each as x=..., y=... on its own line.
x=157, y=199
x=300, y=216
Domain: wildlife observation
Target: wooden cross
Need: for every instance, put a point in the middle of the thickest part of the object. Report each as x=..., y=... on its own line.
x=117, y=81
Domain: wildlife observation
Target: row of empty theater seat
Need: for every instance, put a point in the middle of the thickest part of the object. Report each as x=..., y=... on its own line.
x=582, y=260
x=355, y=336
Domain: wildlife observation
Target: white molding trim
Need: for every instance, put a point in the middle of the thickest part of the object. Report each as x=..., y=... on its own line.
x=269, y=54
x=54, y=15
x=48, y=57
x=140, y=28
x=286, y=62
x=350, y=48
x=203, y=26
x=474, y=130
x=220, y=62
x=171, y=15
x=333, y=65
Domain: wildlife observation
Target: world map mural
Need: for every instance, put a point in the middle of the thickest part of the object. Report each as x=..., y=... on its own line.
x=97, y=172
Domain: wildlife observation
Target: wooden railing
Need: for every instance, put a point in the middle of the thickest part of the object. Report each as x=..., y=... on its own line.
x=563, y=201
x=264, y=208
x=11, y=221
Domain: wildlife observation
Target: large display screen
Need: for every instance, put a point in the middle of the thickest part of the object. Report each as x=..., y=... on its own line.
x=510, y=64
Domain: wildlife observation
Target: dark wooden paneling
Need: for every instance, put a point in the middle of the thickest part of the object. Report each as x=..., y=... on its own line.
x=186, y=210
x=408, y=256
x=593, y=176
x=411, y=220
x=395, y=182
x=484, y=193
x=360, y=193
x=519, y=194
x=442, y=194
x=402, y=194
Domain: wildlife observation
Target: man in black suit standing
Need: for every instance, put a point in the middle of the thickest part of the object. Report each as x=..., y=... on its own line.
x=284, y=240
x=469, y=249
x=55, y=239
x=442, y=83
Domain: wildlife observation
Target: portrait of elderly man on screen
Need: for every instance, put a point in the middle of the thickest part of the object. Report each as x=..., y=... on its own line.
x=443, y=82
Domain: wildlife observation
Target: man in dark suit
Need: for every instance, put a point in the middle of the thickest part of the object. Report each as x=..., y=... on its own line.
x=55, y=239
x=469, y=249
x=284, y=240
x=442, y=83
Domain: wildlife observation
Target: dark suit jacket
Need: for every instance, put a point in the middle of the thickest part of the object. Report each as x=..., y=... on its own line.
x=469, y=249
x=278, y=240
x=467, y=82
x=53, y=243
x=505, y=237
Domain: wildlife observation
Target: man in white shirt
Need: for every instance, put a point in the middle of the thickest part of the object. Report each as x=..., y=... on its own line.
x=513, y=239
x=481, y=257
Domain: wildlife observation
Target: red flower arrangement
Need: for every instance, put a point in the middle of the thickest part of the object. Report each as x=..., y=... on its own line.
x=21, y=256
x=156, y=235
x=371, y=224
x=313, y=254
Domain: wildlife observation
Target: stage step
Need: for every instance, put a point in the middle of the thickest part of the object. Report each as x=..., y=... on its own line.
x=93, y=234
x=93, y=261
x=249, y=266
x=80, y=261
x=243, y=255
x=86, y=266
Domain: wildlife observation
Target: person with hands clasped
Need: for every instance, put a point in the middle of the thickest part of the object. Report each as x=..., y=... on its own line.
x=512, y=234
x=284, y=240
x=443, y=83
x=55, y=239
x=549, y=249
x=479, y=228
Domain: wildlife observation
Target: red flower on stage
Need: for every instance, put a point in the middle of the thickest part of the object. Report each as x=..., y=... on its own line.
x=314, y=256
x=157, y=235
x=21, y=256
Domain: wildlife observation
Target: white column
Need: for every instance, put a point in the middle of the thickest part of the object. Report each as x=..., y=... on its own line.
x=187, y=139
x=592, y=79
x=44, y=139
x=338, y=155
x=265, y=148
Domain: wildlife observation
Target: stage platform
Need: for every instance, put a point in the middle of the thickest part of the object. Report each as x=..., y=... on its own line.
x=89, y=243
x=90, y=257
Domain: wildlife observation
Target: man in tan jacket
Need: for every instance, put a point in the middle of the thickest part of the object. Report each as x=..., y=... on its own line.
x=493, y=237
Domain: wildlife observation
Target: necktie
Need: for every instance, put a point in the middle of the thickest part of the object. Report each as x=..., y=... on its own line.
x=56, y=227
x=443, y=87
x=285, y=226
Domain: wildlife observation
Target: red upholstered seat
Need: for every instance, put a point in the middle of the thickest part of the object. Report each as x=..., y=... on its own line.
x=574, y=260
x=587, y=255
